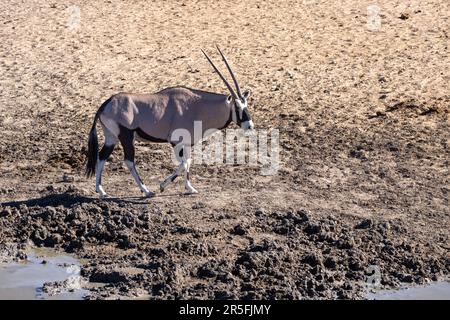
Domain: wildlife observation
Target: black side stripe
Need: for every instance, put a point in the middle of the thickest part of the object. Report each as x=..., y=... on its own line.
x=147, y=137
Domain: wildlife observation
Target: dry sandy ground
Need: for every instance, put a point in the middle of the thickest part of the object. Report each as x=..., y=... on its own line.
x=364, y=134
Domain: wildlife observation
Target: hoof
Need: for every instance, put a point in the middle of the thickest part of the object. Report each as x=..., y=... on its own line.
x=101, y=192
x=149, y=194
x=161, y=188
x=191, y=191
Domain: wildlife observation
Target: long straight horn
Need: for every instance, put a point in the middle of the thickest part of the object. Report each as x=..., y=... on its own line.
x=230, y=88
x=231, y=72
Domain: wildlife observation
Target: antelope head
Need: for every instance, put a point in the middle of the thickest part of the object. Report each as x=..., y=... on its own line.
x=238, y=100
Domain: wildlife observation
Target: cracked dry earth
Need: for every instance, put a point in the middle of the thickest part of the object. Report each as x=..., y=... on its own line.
x=364, y=144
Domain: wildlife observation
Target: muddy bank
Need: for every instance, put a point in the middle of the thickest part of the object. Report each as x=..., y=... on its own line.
x=139, y=249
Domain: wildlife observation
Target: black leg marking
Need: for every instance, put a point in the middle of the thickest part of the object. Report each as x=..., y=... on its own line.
x=126, y=138
x=173, y=178
x=106, y=152
x=104, y=155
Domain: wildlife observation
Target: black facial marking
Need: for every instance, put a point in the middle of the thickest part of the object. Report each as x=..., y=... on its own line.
x=245, y=115
x=238, y=118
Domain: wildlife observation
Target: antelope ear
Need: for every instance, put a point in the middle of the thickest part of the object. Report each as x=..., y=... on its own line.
x=246, y=94
x=229, y=98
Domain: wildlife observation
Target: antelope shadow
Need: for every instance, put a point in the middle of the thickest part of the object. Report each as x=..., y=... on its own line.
x=69, y=199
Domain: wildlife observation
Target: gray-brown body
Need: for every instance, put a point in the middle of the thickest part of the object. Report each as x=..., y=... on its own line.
x=159, y=114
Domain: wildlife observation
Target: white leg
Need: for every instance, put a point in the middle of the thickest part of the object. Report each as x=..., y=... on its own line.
x=177, y=172
x=98, y=178
x=171, y=178
x=187, y=185
x=184, y=166
x=138, y=179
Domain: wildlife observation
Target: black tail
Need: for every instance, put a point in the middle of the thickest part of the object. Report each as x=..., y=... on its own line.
x=92, y=153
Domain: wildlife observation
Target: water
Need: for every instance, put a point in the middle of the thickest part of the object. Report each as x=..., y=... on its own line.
x=24, y=280
x=434, y=291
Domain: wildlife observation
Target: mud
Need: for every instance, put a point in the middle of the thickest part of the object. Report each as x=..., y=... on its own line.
x=142, y=249
x=364, y=146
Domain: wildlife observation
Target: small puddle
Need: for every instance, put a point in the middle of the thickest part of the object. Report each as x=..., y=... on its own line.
x=433, y=291
x=25, y=279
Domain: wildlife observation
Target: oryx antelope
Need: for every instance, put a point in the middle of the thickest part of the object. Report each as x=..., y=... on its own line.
x=154, y=117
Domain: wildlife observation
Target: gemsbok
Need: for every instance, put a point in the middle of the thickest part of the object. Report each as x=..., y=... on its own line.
x=155, y=117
